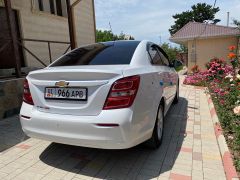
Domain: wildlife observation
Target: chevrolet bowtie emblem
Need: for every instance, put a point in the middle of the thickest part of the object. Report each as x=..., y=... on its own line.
x=62, y=84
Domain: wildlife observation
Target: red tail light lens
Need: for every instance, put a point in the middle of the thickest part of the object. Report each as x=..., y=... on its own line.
x=122, y=93
x=27, y=97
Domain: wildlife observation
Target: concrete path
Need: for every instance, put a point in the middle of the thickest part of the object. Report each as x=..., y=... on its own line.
x=189, y=151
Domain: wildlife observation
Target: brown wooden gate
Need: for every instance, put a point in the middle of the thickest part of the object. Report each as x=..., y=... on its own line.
x=6, y=56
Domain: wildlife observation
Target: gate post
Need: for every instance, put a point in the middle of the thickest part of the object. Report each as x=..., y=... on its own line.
x=13, y=35
x=71, y=26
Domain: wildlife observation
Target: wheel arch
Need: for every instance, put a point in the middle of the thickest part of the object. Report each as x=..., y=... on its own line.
x=163, y=103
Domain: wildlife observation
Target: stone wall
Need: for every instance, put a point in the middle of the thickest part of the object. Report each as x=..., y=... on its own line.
x=10, y=97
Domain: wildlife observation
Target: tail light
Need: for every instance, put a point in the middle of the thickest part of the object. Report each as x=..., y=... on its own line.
x=122, y=93
x=27, y=97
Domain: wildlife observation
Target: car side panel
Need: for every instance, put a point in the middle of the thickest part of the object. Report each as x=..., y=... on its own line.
x=147, y=100
x=173, y=82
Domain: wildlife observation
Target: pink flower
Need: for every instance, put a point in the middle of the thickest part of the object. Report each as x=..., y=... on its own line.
x=236, y=110
x=222, y=101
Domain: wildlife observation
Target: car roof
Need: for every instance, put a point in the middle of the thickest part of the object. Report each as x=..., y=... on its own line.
x=121, y=43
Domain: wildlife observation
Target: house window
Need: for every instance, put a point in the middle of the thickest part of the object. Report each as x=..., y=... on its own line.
x=52, y=6
x=56, y=7
x=59, y=7
x=40, y=5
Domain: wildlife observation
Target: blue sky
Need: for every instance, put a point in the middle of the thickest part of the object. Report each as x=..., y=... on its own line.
x=150, y=19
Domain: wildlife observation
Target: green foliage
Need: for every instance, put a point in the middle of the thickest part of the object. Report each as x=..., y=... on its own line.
x=180, y=21
x=121, y=36
x=203, y=12
x=103, y=36
x=236, y=22
x=183, y=48
x=179, y=68
x=237, y=164
x=199, y=13
x=171, y=51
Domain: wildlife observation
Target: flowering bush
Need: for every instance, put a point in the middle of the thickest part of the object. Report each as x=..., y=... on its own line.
x=218, y=68
x=236, y=110
x=233, y=57
x=195, y=69
x=196, y=79
x=223, y=82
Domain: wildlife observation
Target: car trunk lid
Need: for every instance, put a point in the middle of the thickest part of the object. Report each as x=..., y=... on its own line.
x=96, y=79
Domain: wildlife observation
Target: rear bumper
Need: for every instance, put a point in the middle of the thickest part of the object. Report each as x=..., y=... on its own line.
x=82, y=130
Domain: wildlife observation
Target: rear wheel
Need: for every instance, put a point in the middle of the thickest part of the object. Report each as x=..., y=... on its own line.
x=176, y=99
x=157, y=135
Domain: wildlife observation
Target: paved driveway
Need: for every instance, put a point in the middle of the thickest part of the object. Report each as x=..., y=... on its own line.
x=189, y=151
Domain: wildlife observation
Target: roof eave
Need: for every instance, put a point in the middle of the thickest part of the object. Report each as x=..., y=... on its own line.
x=183, y=40
x=180, y=40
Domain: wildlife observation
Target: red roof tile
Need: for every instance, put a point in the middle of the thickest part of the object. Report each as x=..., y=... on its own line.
x=194, y=30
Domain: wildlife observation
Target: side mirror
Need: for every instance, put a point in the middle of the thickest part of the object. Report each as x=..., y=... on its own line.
x=171, y=65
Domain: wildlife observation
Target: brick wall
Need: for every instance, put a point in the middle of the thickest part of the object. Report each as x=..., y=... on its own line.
x=10, y=97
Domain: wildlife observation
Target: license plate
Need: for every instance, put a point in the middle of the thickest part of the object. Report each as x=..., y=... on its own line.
x=66, y=93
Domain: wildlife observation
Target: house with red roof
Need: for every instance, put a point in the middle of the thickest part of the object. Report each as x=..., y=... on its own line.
x=206, y=41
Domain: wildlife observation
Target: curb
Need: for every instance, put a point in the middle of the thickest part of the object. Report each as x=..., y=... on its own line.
x=226, y=156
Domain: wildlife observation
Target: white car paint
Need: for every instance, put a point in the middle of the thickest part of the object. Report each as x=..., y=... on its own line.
x=76, y=122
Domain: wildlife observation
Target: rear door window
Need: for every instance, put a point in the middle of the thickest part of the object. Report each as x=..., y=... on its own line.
x=155, y=56
x=164, y=59
x=109, y=53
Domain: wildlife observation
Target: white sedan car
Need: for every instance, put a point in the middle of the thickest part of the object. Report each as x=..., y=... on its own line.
x=111, y=95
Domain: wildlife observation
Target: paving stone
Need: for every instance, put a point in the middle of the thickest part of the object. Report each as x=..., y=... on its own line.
x=198, y=175
x=3, y=175
x=29, y=176
x=189, y=151
x=175, y=176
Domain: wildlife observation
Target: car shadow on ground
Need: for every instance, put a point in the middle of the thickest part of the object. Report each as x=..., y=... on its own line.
x=10, y=133
x=140, y=161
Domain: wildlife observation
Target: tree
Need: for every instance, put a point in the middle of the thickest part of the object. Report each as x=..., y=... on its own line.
x=200, y=12
x=103, y=36
x=121, y=36
x=183, y=48
x=171, y=51
x=236, y=23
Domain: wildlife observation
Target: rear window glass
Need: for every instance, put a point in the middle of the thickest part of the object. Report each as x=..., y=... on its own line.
x=109, y=53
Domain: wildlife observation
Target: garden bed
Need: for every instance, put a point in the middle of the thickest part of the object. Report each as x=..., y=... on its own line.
x=223, y=83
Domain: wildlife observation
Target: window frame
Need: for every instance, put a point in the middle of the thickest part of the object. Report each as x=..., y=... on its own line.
x=54, y=5
x=59, y=8
x=151, y=45
x=163, y=61
x=40, y=5
x=160, y=50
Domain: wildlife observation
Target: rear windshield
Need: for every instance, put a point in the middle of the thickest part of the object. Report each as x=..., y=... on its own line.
x=109, y=53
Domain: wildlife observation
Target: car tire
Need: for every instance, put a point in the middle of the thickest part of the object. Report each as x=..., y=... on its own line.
x=157, y=135
x=176, y=98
